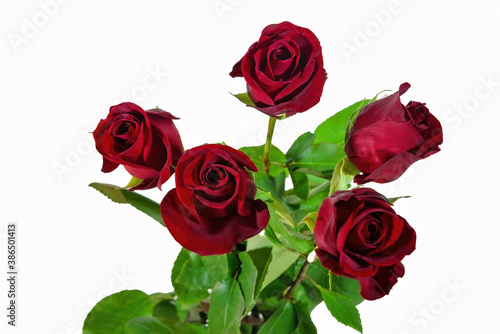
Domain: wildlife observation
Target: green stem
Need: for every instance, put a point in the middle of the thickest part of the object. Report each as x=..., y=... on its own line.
x=266, y=160
x=300, y=277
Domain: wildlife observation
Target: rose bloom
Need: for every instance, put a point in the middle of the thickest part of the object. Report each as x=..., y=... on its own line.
x=387, y=137
x=359, y=236
x=146, y=143
x=212, y=207
x=283, y=70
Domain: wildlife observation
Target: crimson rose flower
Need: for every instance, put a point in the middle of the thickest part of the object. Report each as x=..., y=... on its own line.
x=360, y=236
x=283, y=70
x=212, y=207
x=146, y=143
x=387, y=137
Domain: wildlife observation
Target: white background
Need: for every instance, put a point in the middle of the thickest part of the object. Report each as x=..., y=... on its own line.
x=60, y=72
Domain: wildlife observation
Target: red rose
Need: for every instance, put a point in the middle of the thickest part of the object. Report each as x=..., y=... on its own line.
x=360, y=236
x=387, y=137
x=146, y=143
x=283, y=70
x=212, y=207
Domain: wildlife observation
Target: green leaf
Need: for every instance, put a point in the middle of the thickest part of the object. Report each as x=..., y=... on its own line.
x=344, y=173
x=247, y=280
x=190, y=278
x=166, y=310
x=300, y=184
x=343, y=285
x=110, y=191
x=260, y=258
x=272, y=237
x=258, y=241
x=281, y=259
x=308, y=293
x=217, y=265
x=277, y=207
x=310, y=172
x=112, y=313
x=246, y=329
x=348, y=287
x=283, y=320
x=226, y=308
x=276, y=288
x=300, y=245
x=300, y=235
x=269, y=304
x=320, y=157
x=300, y=145
x=334, y=128
x=160, y=297
x=304, y=322
x=243, y=97
x=134, y=182
x=146, y=325
x=319, y=274
x=314, y=201
x=144, y=204
x=256, y=153
x=123, y=196
x=310, y=220
x=394, y=199
x=274, y=185
x=342, y=309
x=270, y=264
x=191, y=329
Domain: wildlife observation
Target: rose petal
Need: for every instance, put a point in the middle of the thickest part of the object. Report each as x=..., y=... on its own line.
x=379, y=285
x=388, y=108
x=218, y=239
x=371, y=147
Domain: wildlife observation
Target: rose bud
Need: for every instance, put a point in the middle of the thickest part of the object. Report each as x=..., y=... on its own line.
x=146, y=143
x=387, y=137
x=212, y=207
x=359, y=236
x=283, y=70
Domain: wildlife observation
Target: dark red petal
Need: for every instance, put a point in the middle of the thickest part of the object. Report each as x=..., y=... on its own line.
x=297, y=83
x=210, y=241
x=389, y=108
x=391, y=170
x=330, y=262
x=371, y=147
x=237, y=71
x=307, y=98
x=246, y=193
x=403, y=246
x=188, y=232
x=381, y=283
x=108, y=165
x=135, y=153
x=166, y=156
x=140, y=172
x=281, y=58
x=277, y=30
x=433, y=137
x=353, y=265
x=324, y=235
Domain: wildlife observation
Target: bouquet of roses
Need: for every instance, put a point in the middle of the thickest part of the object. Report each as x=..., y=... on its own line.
x=257, y=257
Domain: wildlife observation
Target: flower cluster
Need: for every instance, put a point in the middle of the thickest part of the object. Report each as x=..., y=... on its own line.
x=224, y=196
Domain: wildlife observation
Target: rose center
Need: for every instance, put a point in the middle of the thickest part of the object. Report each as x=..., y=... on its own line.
x=125, y=128
x=281, y=54
x=372, y=232
x=212, y=176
